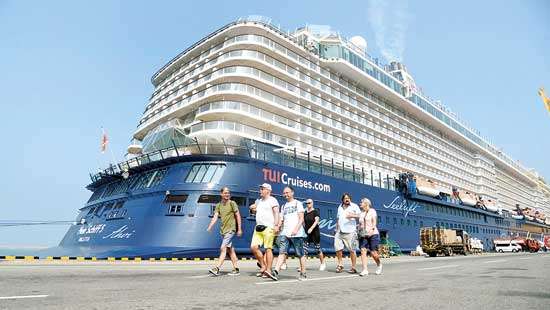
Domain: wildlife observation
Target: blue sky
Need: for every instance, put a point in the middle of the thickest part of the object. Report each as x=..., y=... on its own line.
x=70, y=67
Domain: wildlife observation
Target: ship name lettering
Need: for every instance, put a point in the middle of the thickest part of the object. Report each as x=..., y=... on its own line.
x=94, y=229
x=120, y=233
x=402, y=205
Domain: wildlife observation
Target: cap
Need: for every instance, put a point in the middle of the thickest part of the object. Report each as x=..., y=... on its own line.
x=309, y=200
x=266, y=186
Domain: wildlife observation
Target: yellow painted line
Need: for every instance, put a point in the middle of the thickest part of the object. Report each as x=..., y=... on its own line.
x=124, y=258
x=80, y=258
x=111, y=259
x=137, y=259
x=162, y=259
x=64, y=257
x=184, y=259
x=152, y=259
x=49, y=258
x=9, y=257
x=197, y=259
x=29, y=257
x=94, y=258
x=174, y=258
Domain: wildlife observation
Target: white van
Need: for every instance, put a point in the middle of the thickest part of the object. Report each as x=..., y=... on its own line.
x=502, y=247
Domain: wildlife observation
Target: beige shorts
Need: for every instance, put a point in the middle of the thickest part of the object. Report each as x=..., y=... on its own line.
x=345, y=240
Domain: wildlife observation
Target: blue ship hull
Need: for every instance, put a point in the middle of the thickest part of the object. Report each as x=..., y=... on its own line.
x=168, y=217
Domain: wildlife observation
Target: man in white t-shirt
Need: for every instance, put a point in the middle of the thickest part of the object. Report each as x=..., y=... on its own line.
x=293, y=232
x=267, y=226
x=346, y=232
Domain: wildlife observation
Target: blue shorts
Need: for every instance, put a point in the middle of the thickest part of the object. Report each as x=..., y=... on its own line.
x=297, y=244
x=311, y=247
x=370, y=242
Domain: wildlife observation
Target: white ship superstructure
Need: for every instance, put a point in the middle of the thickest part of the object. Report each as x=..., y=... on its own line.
x=314, y=91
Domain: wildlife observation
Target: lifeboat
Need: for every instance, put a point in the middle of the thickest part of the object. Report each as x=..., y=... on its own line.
x=427, y=187
x=135, y=149
x=468, y=199
x=491, y=205
x=540, y=217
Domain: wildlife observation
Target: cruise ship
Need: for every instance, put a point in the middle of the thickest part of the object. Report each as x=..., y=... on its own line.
x=253, y=103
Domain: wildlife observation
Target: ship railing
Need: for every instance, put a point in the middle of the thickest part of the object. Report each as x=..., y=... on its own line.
x=289, y=156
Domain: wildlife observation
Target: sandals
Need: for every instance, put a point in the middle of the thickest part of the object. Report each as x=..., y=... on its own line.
x=352, y=271
x=339, y=268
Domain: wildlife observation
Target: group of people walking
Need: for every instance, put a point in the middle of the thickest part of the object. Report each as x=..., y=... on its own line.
x=292, y=225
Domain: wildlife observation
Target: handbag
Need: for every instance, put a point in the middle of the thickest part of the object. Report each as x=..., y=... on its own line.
x=260, y=228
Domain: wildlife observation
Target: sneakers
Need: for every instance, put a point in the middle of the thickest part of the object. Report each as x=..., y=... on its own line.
x=379, y=270
x=322, y=267
x=302, y=276
x=235, y=272
x=284, y=266
x=365, y=272
x=214, y=271
x=271, y=276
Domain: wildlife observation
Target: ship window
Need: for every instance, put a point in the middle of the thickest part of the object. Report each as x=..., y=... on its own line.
x=408, y=222
x=330, y=213
x=402, y=222
x=387, y=219
x=106, y=210
x=192, y=173
x=143, y=181
x=157, y=177
x=175, y=210
x=97, y=210
x=209, y=199
x=200, y=173
x=176, y=198
x=421, y=224
x=117, y=212
x=205, y=173
x=97, y=194
x=415, y=223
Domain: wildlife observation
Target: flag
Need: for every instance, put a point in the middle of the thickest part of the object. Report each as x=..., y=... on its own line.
x=545, y=99
x=104, y=141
